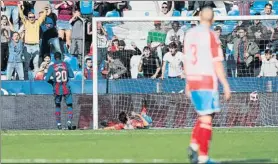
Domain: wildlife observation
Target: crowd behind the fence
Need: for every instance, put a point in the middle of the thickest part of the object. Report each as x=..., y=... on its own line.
x=32, y=30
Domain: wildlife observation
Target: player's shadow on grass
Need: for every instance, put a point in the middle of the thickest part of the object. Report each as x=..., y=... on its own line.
x=246, y=161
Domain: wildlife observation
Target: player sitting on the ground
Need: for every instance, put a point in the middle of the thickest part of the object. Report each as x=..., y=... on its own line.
x=139, y=121
x=61, y=72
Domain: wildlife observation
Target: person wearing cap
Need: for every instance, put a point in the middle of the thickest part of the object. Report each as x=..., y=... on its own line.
x=31, y=40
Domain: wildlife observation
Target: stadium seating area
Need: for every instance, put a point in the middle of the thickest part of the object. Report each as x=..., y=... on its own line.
x=60, y=31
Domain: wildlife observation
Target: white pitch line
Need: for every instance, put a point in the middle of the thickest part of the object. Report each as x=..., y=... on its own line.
x=79, y=160
x=117, y=160
x=110, y=133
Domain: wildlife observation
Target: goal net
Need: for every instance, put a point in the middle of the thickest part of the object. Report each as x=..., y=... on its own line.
x=138, y=52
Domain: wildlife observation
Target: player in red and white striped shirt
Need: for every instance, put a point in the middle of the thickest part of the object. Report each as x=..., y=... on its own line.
x=203, y=68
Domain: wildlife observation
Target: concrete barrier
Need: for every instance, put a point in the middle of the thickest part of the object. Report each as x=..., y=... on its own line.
x=167, y=110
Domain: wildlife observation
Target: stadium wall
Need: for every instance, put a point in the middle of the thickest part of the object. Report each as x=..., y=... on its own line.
x=167, y=110
x=135, y=86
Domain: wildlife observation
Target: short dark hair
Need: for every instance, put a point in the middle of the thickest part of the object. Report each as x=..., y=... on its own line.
x=46, y=55
x=15, y=33
x=88, y=59
x=268, y=4
x=122, y=43
x=242, y=28
x=176, y=22
x=164, y=3
x=146, y=48
x=123, y=117
x=173, y=45
x=218, y=28
x=268, y=51
x=57, y=55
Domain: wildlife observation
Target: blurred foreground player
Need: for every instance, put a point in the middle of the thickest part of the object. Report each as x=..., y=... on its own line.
x=203, y=68
x=58, y=76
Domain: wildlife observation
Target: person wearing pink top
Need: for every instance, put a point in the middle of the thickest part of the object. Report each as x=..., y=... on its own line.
x=65, y=10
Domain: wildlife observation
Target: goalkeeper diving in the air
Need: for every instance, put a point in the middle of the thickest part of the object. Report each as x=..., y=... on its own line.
x=136, y=121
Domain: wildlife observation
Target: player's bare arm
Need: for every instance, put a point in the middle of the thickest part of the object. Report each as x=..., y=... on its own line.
x=219, y=69
x=163, y=70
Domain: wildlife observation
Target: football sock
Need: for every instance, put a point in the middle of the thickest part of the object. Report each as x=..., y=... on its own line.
x=70, y=114
x=205, y=132
x=194, y=136
x=58, y=115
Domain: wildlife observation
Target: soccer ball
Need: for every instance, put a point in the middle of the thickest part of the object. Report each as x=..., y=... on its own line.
x=254, y=96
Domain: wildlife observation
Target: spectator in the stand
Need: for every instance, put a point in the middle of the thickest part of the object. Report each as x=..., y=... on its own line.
x=163, y=11
x=269, y=66
x=149, y=64
x=115, y=5
x=43, y=68
x=65, y=13
x=86, y=7
x=114, y=45
x=175, y=35
x=270, y=24
x=196, y=6
x=102, y=43
x=15, y=57
x=11, y=10
x=76, y=48
x=50, y=37
x=244, y=53
x=273, y=45
x=179, y=5
x=88, y=70
x=99, y=7
x=6, y=29
x=125, y=55
x=218, y=31
x=31, y=40
x=134, y=64
x=156, y=39
x=260, y=33
x=175, y=59
x=244, y=6
x=116, y=69
x=88, y=35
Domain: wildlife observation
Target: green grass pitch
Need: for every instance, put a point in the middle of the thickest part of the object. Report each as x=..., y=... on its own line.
x=169, y=146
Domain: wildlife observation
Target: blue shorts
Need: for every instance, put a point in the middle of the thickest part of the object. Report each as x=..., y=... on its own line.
x=68, y=99
x=147, y=118
x=63, y=25
x=205, y=102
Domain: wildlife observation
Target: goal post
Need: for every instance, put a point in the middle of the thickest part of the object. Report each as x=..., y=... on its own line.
x=166, y=102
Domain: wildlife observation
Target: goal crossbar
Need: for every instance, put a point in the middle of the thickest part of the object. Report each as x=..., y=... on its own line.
x=216, y=18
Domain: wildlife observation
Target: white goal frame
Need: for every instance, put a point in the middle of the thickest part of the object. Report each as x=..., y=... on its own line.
x=139, y=19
